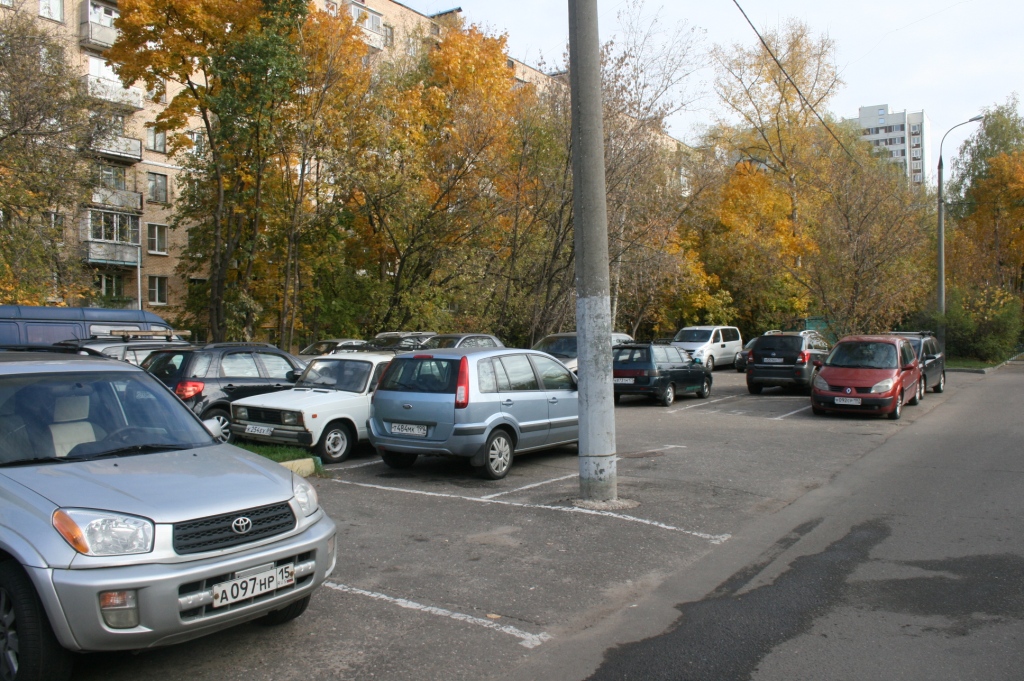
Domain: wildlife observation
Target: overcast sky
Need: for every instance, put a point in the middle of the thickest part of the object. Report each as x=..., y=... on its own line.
x=950, y=58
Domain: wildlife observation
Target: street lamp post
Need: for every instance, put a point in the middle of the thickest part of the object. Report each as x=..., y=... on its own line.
x=942, y=234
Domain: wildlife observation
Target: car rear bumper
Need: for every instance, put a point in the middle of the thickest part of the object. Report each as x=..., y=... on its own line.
x=175, y=600
x=465, y=441
x=790, y=375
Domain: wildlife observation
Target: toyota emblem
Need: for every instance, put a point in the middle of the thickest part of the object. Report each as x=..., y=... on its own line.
x=849, y=390
x=241, y=525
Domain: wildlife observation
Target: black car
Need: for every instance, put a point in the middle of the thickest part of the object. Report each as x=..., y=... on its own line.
x=658, y=371
x=931, y=356
x=784, y=359
x=209, y=378
x=741, y=357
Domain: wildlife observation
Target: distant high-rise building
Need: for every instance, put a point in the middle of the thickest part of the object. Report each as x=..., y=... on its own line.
x=903, y=136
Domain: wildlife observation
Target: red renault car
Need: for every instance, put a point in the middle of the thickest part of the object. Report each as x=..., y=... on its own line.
x=868, y=375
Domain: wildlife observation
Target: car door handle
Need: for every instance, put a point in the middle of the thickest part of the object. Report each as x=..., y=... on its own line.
x=228, y=388
x=507, y=403
x=553, y=400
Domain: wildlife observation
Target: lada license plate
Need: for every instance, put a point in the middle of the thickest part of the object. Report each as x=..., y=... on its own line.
x=409, y=429
x=259, y=430
x=848, y=400
x=773, y=360
x=252, y=585
x=623, y=380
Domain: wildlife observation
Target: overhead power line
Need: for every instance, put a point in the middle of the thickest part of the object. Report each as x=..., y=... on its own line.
x=793, y=83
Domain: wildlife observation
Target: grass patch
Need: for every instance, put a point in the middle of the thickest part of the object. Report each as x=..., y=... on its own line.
x=276, y=453
x=968, y=363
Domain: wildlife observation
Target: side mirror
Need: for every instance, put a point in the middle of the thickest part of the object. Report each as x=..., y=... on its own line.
x=817, y=364
x=214, y=428
x=291, y=376
x=907, y=367
x=696, y=360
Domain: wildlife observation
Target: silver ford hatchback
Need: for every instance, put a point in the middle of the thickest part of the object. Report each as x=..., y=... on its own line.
x=485, y=405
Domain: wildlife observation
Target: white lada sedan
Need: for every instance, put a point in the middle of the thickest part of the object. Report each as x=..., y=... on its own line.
x=327, y=409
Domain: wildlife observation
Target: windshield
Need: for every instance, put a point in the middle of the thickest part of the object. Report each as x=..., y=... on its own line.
x=563, y=347
x=863, y=355
x=80, y=415
x=441, y=342
x=321, y=348
x=693, y=336
x=337, y=374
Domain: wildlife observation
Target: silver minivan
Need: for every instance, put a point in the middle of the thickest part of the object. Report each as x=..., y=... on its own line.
x=485, y=405
x=712, y=345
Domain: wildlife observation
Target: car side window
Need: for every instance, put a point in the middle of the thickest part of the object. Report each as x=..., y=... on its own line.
x=484, y=342
x=661, y=355
x=239, y=365
x=674, y=355
x=717, y=338
x=553, y=375
x=377, y=373
x=486, y=380
x=200, y=365
x=520, y=372
x=276, y=365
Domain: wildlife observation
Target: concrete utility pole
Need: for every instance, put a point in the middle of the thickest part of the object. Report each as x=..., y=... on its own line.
x=590, y=220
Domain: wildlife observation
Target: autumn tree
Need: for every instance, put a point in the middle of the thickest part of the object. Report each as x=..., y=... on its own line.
x=48, y=128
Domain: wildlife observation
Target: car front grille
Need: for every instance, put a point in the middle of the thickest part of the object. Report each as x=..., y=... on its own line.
x=216, y=532
x=264, y=415
x=842, y=388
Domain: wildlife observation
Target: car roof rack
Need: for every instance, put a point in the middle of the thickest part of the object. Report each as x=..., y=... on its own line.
x=238, y=344
x=56, y=348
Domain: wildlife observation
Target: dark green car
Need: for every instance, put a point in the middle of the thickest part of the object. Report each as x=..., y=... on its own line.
x=658, y=371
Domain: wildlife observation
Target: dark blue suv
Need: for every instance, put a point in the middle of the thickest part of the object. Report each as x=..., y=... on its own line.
x=658, y=371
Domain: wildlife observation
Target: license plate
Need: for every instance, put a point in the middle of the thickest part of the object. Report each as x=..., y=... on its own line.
x=409, y=429
x=773, y=360
x=623, y=380
x=259, y=430
x=253, y=585
x=848, y=400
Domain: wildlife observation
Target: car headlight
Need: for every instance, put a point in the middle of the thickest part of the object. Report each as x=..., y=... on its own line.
x=305, y=495
x=102, y=533
x=820, y=383
x=291, y=418
x=241, y=413
x=882, y=386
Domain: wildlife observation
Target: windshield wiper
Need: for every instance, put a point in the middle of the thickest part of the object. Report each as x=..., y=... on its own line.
x=130, y=450
x=38, y=459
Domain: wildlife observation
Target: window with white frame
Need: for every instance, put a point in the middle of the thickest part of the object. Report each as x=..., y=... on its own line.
x=105, y=225
x=918, y=177
x=881, y=112
x=112, y=177
x=52, y=9
x=156, y=140
x=915, y=128
x=915, y=153
x=110, y=284
x=198, y=139
x=916, y=141
x=156, y=238
x=102, y=14
x=156, y=184
x=6, y=3
x=100, y=68
x=158, y=290
x=331, y=8
x=915, y=165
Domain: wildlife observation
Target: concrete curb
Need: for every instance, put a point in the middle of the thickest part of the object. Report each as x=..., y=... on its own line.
x=986, y=370
x=304, y=467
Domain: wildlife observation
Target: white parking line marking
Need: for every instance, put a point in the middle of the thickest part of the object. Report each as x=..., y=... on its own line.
x=713, y=538
x=536, y=484
x=702, y=404
x=779, y=418
x=356, y=465
x=528, y=640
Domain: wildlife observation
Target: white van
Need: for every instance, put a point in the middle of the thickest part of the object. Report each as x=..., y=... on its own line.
x=712, y=345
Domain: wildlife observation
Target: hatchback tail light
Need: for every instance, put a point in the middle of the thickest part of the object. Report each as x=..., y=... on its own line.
x=750, y=357
x=189, y=389
x=803, y=357
x=462, y=387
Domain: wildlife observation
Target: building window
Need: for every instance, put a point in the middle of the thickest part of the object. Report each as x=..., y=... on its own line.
x=157, y=187
x=915, y=165
x=916, y=141
x=435, y=29
x=6, y=3
x=881, y=121
x=117, y=227
x=52, y=9
x=112, y=177
x=881, y=112
x=156, y=238
x=110, y=285
x=156, y=140
x=389, y=36
x=331, y=8
x=915, y=153
x=99, y=68
x=158, y=290
x=918, y=178
x=915, y=129
x=102, y=15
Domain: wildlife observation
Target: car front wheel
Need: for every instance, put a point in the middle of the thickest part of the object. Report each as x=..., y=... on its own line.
x=500, y=452
x=224, y=421
x=941, y=385
x=897, y=411
x=710, y=362
x=336, y=443
x=705, y=388
x=28, y=649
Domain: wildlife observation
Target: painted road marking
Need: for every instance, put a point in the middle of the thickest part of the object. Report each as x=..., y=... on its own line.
x=528, y=640
x=536, y=484
x=702, y=404
x=779, y=418
x=713, y=538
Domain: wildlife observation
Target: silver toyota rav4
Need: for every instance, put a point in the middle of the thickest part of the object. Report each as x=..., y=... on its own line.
x=485, y=405
x=124, y=525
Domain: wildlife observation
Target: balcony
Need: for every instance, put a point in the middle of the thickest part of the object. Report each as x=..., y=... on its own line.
x=119, y=148
x=371, y=21
x=117, y=198
x=92, y=34
x=112, y=253
x=112, y=91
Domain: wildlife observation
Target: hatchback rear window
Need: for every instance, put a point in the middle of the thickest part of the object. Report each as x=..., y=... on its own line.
x=632, y=355
x=780, y=343
x=421, y=375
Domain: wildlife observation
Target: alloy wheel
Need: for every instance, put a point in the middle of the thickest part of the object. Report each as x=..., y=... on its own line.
x=8, y=638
